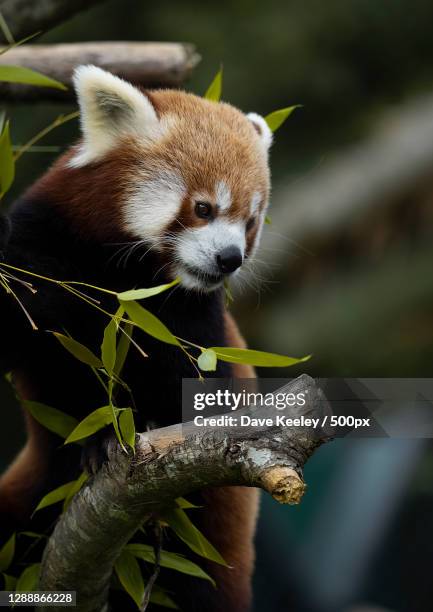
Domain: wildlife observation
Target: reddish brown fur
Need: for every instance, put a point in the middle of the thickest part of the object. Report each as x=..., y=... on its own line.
x=232, y=522
x=206, y=143
x=203, y=151
x=21, y=485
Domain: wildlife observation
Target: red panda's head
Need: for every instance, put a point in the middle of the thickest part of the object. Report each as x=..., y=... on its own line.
x=190, y=176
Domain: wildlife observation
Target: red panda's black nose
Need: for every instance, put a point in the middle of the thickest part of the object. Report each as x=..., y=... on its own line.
x=229, y=259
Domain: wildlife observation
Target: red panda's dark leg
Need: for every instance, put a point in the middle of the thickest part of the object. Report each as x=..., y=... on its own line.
x=37, y=469
x=21, y=486
x=229, y=522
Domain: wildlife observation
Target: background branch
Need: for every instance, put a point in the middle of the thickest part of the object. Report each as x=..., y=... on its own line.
x=146, y=64
x=26, y=17
x=370, y=176
x=172, y=462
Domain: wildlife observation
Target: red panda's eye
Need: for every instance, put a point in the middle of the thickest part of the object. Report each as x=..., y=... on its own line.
x=203, y=210
x=250, y=224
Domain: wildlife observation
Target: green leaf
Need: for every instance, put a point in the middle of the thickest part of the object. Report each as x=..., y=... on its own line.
x=32, y=534
x=186, y=531
x=76, y=486
x=214, y=90
x=55, y=496
x=20, y=74
x=181, y=502
x=207, y=361
x=29, y=579
x=108, y=348
x=7, y=163
x=5, y=30
x=256, y=358
x=79, y=351
x=127, y=427
x=268, y=220
x=278, y=117
x=60, y=423
x=141, y=294
x=160, y=598
x=146, y=321
x=9, y=582
x=123, y=348
x=170, y=560
x=129, y=574
x=7, y=553
x=93, y=422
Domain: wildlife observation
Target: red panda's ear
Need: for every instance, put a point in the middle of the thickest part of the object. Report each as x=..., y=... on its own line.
x=262, y=129
x=110, y=108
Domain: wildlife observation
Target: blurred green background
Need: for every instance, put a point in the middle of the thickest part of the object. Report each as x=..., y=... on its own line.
x=345, y=272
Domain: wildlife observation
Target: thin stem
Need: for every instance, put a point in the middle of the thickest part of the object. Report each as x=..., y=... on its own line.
x=6, y=31
x=99, y=377
x=66, y=285
x=91, y=287
x=60, y=120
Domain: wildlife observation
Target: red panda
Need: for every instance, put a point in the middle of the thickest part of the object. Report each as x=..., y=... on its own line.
x=163, y=184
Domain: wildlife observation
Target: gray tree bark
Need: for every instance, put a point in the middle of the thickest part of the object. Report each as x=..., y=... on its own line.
x=144, y=64
x=168, y=463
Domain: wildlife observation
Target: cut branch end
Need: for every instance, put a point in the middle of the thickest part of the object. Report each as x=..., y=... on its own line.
x=284, y=484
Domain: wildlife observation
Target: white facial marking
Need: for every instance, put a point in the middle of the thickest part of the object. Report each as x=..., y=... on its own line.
x=255, y=201
x=197, y=248
x=153, y=204
x=223, y=196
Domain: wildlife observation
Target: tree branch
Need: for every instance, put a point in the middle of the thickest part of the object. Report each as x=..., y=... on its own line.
x=391, y=164
x=145, y=64
x=168, y=463
x=26, y=17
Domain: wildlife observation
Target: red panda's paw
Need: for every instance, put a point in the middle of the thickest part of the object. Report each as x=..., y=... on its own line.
x=5, y=231
x=98, y=449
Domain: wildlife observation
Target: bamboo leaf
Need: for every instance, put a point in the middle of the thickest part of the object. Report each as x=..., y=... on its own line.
x=146, y=321
x=92, y=423
x=7, y=163
x=256, y=358
x=188, y=532
x=32, y=534
x=129, y=574
x=76, y=486
x=141, y=294
x=278, y=117
x=181, y=502
x=26, y=76
x=160, y=598
x=7, y=553
x=55, y=496
x=169, y=560
x=214, y=91
x=108, y=348
x=60, y=423
x=127, y=427
x=79, y=351
x=29, y=579
x=123, y=348
x=10, y=582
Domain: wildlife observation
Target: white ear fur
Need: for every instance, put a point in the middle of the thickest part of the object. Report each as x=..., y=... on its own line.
x=262, y=129
x=110, y=108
